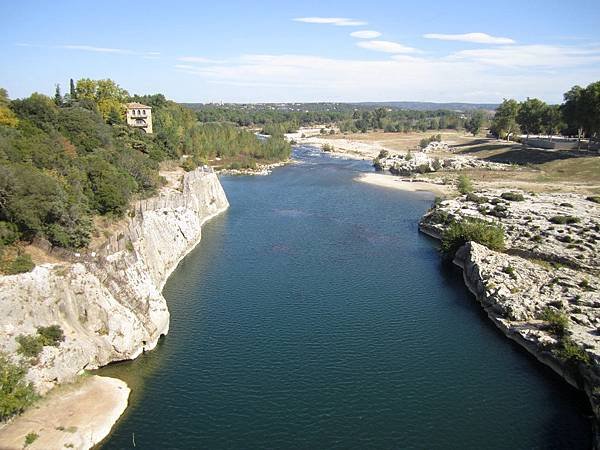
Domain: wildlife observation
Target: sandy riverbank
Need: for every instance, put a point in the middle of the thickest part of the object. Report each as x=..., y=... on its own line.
x=78, y=416
x=342, y=147
x=394, y=182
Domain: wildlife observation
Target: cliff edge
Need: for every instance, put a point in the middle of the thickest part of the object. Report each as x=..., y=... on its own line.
x=109, y=303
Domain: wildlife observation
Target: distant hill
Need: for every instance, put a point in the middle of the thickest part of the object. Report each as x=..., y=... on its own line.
x=431, y=106
x=334, y=106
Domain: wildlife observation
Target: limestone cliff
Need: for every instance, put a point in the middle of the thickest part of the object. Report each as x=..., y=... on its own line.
x=109, y=302
x=550, y=267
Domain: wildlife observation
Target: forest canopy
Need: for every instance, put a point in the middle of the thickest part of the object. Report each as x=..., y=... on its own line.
x=68, y=158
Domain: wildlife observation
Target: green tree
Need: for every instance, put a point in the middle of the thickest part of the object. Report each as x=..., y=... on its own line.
x=552, y=120
x=58, y=98
x=475, y=122
x=530, y=116
x=72, y=90
x=575, y=111
x=504, y=123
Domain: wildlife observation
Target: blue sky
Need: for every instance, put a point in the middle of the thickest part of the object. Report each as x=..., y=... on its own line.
x=258, y=51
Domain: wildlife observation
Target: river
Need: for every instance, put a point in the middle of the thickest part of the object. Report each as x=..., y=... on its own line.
x=314, y=315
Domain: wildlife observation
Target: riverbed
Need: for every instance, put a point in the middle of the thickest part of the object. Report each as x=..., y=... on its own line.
x=314, y=315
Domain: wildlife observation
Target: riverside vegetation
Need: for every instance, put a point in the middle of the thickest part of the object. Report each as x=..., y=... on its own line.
x=65, y=161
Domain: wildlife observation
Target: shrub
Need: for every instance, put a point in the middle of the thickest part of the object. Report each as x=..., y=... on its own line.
x=31, y=438
x=513, y=196
x=557, y=321
x=594, y=198
x=51, y=335
x=437, y=165
x=383, y=154
x=480, y=231
x=327, y=148
x=510, y=270
x=464, y=184
x=29, y=345
x=562, y=220
x=15, y=393
x=572, y=352
x=499, y=211
x=188, y=164
x=423, y=168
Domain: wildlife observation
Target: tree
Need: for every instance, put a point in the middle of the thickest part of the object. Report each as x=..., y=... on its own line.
x=7, y=117
x=504, y=123
x=107, y=94
x=530, y=116
x=592, y=102
x=552, y=120
x=58, y=99
x=475, y=122
x=72, y=90
x=574, y=111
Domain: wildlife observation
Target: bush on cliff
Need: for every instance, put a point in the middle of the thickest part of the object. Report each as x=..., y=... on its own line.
x=459, y=233
x=557, y=321
x=15, y=393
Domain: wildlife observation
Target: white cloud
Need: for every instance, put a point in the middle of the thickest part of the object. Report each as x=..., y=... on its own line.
x=477, y=38
x=386, y=47
x=401, y=77
x=529, y=56
x=338, y=21
x=365, y=34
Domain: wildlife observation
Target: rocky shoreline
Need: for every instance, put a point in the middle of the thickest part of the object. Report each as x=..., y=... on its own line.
x=541, y=292
x=108, y=302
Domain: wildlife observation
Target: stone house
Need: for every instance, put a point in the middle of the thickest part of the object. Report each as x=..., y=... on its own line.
x=139, y=116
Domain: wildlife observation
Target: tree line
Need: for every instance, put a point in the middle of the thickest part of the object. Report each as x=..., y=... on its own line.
x=578, y=115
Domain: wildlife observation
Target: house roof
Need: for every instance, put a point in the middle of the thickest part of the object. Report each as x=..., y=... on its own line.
x=134, y=105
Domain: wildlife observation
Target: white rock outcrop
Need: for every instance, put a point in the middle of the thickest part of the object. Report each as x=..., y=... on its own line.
x=109, y=304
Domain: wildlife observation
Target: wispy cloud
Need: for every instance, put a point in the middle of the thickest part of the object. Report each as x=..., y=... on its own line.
x=386, y=47
x=90, y=48
x=337, y=21
x=524, y=56
x=477, y=38
x=365, y=34
x=200, y=60
x=95, y=49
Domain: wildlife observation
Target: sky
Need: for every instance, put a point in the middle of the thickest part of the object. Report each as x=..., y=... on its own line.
x=305, y=51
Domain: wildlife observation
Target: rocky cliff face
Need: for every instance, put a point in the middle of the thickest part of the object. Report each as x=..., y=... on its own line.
x=543, y=292
x=109, y=303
